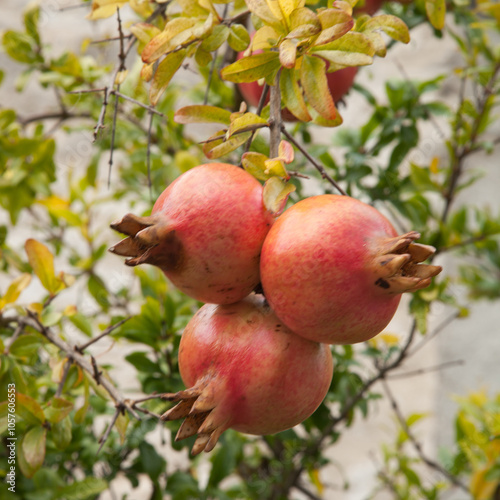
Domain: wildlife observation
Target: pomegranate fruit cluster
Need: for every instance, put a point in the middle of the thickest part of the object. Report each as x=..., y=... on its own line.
x=332, y=271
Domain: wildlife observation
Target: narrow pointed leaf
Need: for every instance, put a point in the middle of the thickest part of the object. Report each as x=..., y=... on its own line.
x=164, y=73
x=199, y=113
x=291, y=93
x=315, y=85
x=252, y=68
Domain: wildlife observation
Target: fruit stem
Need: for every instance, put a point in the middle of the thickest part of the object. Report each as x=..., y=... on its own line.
x=275, y=115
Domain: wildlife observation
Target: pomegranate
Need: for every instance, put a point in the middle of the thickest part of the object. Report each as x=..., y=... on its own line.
x=247, y=371
x=333, y=269
x=205, y=233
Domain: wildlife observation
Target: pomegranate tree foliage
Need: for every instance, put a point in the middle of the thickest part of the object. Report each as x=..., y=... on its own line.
x=58, y=302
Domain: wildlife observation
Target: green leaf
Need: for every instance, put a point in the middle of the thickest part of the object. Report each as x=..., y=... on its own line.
x=61, y=433
x=153, y=464
x=81, y=412
x=29, y=409
x=436, y=12
x=85, y=489
x=164, y=73
x=252, y=68
x=58, y=409
x=291, y=94
x=219, y=147
x=42, y=262
x=26, y=346
x=200, y=113
x=21, y=47
x=239, y=38
x=121, y=425
x=82, y=322
x=288, y=53
x=391, y=25
x=98, y=290
x=142, y=363
x=219, y=35
x=353, y=49
x=315, y=85
x=33, y=446
x=245, y=123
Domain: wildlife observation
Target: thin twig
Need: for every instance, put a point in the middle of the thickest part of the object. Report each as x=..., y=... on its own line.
x=106, y=434
x=148, y=155
x=418, y=447
x=316, y=165
x=275, y=123
x=77, y=358
x=430, y=369
x=104, y=333
x=138, y=103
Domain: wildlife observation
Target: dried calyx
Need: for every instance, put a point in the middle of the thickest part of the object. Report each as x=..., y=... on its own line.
x=143, y=235
x=398, y=264
x=201, y=416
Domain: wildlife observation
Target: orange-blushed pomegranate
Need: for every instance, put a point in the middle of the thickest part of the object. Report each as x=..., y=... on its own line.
x=333, y=269
x=246, y=370
x=205, y=233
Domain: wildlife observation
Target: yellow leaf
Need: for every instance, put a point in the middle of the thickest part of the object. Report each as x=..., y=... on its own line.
x=120, y=77
x=434, y=166
x=15, y=289
x=141, y=7
x=276, y=193
x=480, y=487
x=389, y=339
x=42, y=262
x=436, y=12
x=315, y=479
x=121, y=425
x=102, y=9
x=275, y=166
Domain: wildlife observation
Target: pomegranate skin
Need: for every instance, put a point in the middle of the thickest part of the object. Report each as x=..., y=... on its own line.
x=247, y=371
x=205, y=232
x=333, y=269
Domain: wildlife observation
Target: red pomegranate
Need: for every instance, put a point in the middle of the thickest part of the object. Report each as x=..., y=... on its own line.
x=247, y=371
x=205, y=233
x=333, y=269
